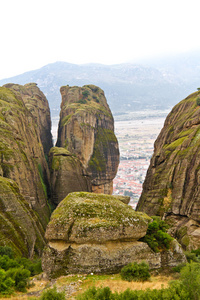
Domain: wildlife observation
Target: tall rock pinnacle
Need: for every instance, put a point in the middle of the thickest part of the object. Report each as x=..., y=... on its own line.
x=86, y=129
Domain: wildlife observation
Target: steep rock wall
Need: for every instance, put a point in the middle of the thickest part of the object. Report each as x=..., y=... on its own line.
x=22, y=157
x=86, y=128
x=67, y=174
x=36, y=102
x=172, y=184
x=19, y=226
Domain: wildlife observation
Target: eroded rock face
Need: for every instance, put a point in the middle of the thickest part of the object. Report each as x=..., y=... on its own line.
x=86, y=128
x=36, y=102
x=98, y=233
x=19, y=225
x=22, y=157
x=172, y=185
x=67, y=174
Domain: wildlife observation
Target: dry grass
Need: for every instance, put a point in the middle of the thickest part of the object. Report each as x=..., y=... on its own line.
x=18, y=297
x=84, y=282
x=115, y=283
x=39, y=285
x=157, y=282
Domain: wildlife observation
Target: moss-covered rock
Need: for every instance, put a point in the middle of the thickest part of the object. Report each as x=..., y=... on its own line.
x=36, y=102
x=89, y=217
x=172, y=183
x=98, y=233
x=19, y=225
x=22, y=156
x=86, y=128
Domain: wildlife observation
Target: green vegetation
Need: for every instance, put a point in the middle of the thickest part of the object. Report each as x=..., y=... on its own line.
x=66, y=120
x=175, y=144
x=198, y=101
x=82, y=101
x=42, y=180
x=186, y=288
x=135, y=272
x=85, y=93
x=157, y=237
x=95, y=210
x=15, y=272
x=103, y=139
x=52, y=294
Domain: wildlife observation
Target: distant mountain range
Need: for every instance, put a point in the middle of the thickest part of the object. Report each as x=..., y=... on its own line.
x=157, y=84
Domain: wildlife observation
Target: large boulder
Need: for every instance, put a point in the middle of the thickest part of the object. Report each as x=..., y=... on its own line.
x=98, y=233
x=172, y=185
x=86, y=129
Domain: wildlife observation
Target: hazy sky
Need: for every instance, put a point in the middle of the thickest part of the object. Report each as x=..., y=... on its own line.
x=35, y=33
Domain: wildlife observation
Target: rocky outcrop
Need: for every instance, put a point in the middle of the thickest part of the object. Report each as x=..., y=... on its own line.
x=22, y=160
x=36, y=102
x=67, y=174
x=172, y=185
x=86, y=129
x=19, y=226
x=98, y=233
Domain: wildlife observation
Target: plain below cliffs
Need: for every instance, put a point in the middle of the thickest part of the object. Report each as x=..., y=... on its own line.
x=24, y=172
x=86, y=130
x=172, y=185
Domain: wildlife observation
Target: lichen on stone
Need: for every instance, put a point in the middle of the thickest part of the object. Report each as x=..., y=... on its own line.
x=82, y=213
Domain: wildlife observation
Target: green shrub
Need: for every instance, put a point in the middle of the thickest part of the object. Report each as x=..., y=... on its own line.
x=191, y=257
x=52, y=294
x=5, y=250
x=20, y=277
x=15, y=272
x=34, y=267
x=97, y=293
x=190, y=278
x=197, y=252
x=135, y=272
x=156, y=237
x=8, y=263
x=198, y=101
x=82, y=101
x=178, y=268
x=6, y=284
x=85, y=93
x=175, y=291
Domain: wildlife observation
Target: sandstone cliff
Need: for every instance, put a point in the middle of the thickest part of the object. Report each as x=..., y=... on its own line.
x=19, y=225
x=172, y=185
x=86, y=129
x=98, y=233
x=22, y=160
x=36, y=102
x=67, y=174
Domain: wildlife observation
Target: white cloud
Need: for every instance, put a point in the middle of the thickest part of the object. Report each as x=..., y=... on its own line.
x=35, y=33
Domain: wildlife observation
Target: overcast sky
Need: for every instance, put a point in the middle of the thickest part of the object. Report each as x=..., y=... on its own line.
x=35, y=33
